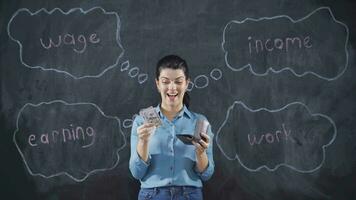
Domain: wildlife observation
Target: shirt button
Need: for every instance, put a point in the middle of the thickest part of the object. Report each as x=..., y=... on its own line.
x=171, y=168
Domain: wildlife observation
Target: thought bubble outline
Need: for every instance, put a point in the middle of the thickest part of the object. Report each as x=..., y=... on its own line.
x=94, y=171
x=273, y=111
x=270, y=69
x=118, y=41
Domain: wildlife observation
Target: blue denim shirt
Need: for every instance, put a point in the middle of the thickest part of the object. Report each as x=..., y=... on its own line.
x=170, y=161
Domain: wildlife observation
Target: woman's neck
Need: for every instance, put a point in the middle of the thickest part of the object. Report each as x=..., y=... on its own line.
x=170, y=112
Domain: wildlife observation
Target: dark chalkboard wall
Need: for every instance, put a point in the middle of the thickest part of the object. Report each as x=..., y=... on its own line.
x=275, y=79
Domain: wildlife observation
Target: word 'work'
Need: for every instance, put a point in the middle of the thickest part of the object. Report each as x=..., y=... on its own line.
x=271, y=138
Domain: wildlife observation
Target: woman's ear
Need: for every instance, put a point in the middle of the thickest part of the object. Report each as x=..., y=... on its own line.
x=186, y=87
x=157, y=85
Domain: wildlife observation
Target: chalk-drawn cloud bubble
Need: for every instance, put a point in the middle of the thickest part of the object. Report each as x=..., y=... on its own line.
x=78, y=43
x=315, y=44
x=57, y=138
x=267, y=139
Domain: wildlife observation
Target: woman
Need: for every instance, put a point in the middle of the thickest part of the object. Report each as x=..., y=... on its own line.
x=166, y=167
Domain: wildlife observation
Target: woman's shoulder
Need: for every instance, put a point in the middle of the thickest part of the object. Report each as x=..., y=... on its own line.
x=198, y=115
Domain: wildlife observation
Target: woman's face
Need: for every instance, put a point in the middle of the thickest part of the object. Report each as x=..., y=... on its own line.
x=172, y=85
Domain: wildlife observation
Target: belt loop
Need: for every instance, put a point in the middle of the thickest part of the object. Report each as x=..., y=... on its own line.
x=185, y=193
x=157, y=189
x=171, y=190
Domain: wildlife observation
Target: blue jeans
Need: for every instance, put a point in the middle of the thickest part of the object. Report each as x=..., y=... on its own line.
x=171, y=193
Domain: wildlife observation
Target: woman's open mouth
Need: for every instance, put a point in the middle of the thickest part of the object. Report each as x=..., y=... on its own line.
x=172, y=96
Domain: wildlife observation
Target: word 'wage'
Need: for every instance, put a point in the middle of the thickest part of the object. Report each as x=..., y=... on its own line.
x=79, y=43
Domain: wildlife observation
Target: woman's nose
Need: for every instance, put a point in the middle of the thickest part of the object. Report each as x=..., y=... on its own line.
x=172, y=86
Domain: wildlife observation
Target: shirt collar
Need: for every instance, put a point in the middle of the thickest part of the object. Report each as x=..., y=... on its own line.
x=184, y=111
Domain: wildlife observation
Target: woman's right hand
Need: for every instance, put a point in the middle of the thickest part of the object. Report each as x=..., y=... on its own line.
x=145, y=131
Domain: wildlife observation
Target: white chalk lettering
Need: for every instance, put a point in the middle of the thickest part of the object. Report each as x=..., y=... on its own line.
x=93, y=38
x=65, y=135
x=271, y=138
x=51, y=43
x=66, y=132
x=254, y=139
x=81, y=39
x=71, y=39
x=306, y=42
x=90, y=132
x=31, y=138
x=79, y=43
x=79, y=130
x=280, y=44
x=44, y=139
x=53, y=137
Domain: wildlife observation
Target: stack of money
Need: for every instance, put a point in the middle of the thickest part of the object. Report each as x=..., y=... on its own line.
x=151, y=116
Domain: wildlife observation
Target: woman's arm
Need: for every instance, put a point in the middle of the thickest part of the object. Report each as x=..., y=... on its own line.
x=202, y=161
x=144, y=132
x=139, y=158
x=204, y=156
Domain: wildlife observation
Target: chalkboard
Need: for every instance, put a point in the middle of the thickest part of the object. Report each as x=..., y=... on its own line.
x=274, y=78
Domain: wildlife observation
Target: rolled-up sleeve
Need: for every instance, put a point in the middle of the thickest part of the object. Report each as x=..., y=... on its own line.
x=208, y=172
x=137, y=166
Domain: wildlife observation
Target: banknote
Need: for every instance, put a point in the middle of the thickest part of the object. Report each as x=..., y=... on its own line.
x=151, y=116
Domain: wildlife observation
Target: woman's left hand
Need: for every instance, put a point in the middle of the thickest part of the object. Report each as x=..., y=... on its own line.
x=202, y=144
